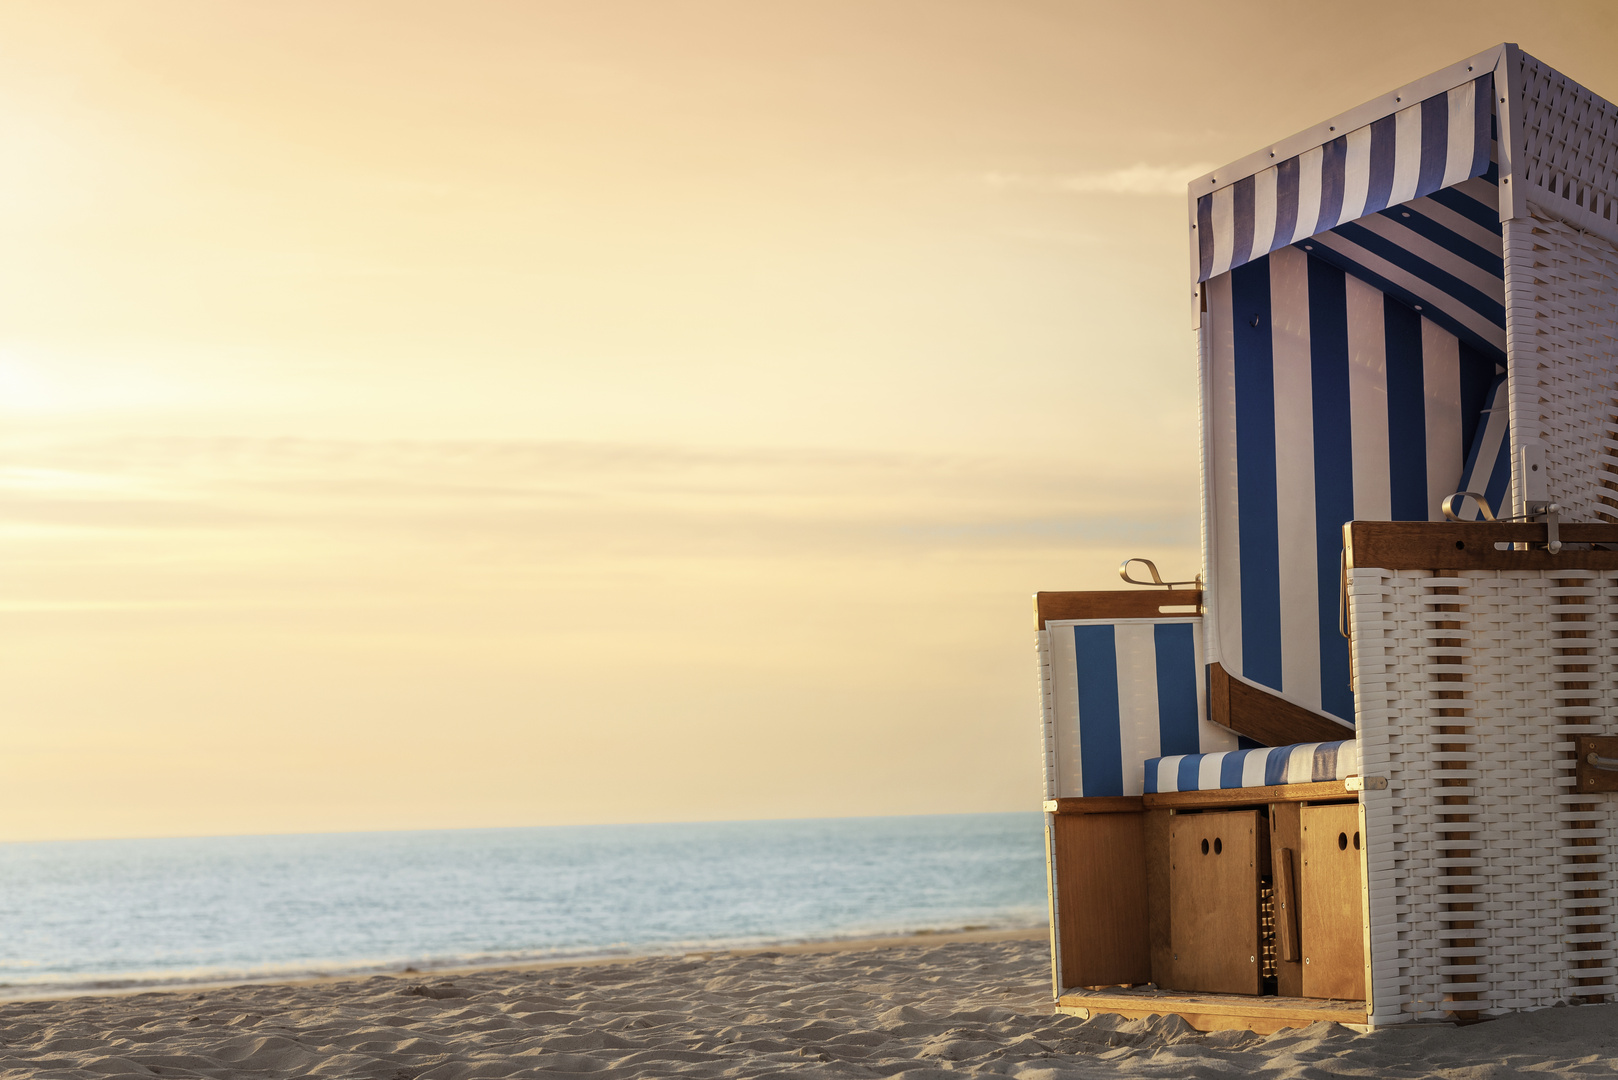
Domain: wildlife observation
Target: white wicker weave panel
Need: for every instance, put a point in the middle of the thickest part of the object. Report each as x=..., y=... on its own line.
x=1570, y=148
x=1491, y=902
x=1562, y=340
x=1047, y=712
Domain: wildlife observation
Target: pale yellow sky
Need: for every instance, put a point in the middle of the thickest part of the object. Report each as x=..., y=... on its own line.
x=433, y=415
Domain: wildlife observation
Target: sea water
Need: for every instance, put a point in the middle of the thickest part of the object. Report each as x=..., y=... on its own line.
x=121, y=914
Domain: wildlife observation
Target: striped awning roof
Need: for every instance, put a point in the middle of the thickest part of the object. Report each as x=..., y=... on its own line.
x=1433, y=144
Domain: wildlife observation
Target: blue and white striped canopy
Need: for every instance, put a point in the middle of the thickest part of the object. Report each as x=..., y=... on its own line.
x=1428, y=146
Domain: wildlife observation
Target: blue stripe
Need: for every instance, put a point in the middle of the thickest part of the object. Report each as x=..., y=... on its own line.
x=1477, y=388
x=1483, y=121
x=1500, y=480
x=1286, y=202
x=1324, y=765
x=1334, y=471
x=1100, y=741
x=1242, y=205
x=1478, y=213
x=1475, y=422
x=1333, y=162
x=1383, y=145
x=1149, y=785
x=1275, y=765
x=1407, y=412
x=1413, y=219
x=1230, y=769
x=1489, y=307
x=1258, y=522
x=1185, y=776
x=1177, y=728
x=1205, y=236
x=1434, y=143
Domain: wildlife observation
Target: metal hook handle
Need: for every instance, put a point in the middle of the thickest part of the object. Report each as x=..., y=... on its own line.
x=1157, y=579
x=1452, y=501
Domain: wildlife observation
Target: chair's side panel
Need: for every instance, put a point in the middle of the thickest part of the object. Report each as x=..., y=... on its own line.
x=1569, y=139
x=1047, y=713
x=1562, y=343
x=1489, y=876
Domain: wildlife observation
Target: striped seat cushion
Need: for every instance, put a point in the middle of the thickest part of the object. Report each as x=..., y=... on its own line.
x=1303, y=763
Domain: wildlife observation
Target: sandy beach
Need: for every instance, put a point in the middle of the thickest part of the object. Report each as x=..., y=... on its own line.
x=973, y=1004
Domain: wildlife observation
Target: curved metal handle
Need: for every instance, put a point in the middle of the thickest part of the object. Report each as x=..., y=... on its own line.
x=1157, y=579
x=1606, y=764
x=1450, y=503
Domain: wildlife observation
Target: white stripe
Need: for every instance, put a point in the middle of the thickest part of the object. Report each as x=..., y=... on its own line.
x=1224, y=227
x=1208, y=772
x=1264, y=211
x=1368, y=401
x=1348, y=759
x=1225, y=576
x=1406, y=155
x=1456, y=310
x=1444, y=259
x=1356, y=174
x=1462, y=133
x=1441, y=385
x=1295, y=475
x=1065, y=710
x=1210, y=736
x=1464, y=227
x=1167, y=771
x=1301, y=763
x=1138, y=737
x=1308, y=192
x=1253, y=768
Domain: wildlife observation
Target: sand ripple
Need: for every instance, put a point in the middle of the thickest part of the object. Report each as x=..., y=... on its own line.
x=916, y=1012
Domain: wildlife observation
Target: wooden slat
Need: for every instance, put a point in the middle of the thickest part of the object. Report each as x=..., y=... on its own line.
x=1454, y=545
x=1248, y=796
x=1115, y=604
x=1331, y=920
x=1213, y=901
x=1265, y=718
x=1100, y=866
x=1216, y=1012
x=1285, y=836
x=1096, y=804
x=1159, y=936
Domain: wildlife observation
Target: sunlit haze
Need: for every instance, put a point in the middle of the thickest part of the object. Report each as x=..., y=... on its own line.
x=427, y=415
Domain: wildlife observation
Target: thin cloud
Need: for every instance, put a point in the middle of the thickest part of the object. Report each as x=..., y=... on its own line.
x=1138, y=179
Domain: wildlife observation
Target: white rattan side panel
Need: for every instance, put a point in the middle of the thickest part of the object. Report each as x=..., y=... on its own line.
x=1562, y=341
x=1488, y=875
x=1570, y=148
x=1047, y=713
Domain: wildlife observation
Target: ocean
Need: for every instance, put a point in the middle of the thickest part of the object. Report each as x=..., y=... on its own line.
x=82, y=916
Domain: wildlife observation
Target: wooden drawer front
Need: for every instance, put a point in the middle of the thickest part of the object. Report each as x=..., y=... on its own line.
x=1330, y=906
x=1213, y=901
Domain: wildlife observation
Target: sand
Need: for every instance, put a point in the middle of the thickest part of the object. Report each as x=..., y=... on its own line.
x=914, y=1010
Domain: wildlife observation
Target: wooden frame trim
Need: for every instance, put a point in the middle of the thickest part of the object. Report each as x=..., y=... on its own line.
x=1248, y=796
x=1116, y=604
x=1215, y=1012
x=1096, y=804
x=1264, y=717
x=1461, y=545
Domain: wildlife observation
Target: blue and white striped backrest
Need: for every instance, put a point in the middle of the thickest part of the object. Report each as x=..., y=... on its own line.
x=1123, y=691
x=1326, y=401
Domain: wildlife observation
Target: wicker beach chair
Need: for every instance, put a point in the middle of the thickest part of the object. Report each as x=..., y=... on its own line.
x=1388, y=797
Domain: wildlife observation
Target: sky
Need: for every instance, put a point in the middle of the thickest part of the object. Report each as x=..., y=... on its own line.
x=424, y=415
